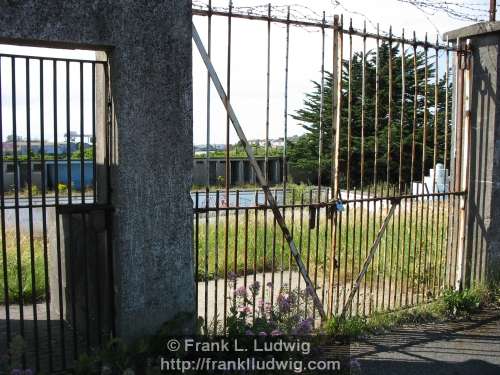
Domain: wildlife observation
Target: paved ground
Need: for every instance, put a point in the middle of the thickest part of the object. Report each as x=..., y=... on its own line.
x=452, y=348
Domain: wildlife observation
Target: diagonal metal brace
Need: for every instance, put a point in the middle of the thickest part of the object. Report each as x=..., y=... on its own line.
x=354, y=289
x=260, y=177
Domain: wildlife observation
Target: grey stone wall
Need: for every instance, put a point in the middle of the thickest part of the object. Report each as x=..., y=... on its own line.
x=150, y=58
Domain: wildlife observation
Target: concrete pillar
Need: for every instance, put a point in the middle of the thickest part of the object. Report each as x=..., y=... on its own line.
x=149, y=45
x=482, y=237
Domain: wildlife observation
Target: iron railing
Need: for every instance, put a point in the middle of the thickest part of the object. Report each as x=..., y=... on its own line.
x=388, y=236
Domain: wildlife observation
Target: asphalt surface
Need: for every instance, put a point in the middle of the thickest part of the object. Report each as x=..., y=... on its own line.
x=452, y=348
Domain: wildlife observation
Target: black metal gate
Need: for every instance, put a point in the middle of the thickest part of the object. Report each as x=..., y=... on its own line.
x=56, y=276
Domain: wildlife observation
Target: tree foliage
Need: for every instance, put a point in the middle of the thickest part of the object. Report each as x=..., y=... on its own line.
x=384, y=128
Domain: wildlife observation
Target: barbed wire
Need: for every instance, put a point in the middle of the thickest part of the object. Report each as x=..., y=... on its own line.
x=455, y=9
x=474, y=12
x=309, y=19
x=298, y=12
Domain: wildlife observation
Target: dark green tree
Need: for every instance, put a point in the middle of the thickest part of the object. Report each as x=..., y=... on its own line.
x=382, y=128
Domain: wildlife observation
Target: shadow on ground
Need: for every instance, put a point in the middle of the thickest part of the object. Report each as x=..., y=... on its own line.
x=451, y=348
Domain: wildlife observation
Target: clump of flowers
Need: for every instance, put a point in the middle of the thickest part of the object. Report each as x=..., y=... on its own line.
x=253, y=314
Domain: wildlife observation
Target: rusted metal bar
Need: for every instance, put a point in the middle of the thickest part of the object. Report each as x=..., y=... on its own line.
x=268, y=88
x=400, y=249
x=209, y=94
x=216, y=260
x=227, y=179
x=205, y=276
x=260, y=178
x=285, y=115
x=462, y=155
x=285, y=142
x=375, y=159
x=493, y=10
x=336, y=118
x=321, y=106
x=388, y=161
x=362, y=162
x=413, y=245
x=434, y=222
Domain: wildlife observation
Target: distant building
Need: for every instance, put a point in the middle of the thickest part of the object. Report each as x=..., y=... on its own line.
x=74, y=137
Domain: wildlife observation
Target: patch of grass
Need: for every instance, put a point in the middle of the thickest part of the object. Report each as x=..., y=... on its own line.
x=352, y=327
x=412, y=250
x=465, y=302
x=27, y=263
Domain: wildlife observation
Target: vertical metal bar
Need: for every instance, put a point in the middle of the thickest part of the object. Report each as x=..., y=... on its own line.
x=493, y=10
x=362, y=171
x=301, y=227
x=268, y=81
x=292, y=233
x=236, y=222
x=264, y=255
x=447, y=168
x=338, y=234
x=389, y=116
x=58, y=239
x=434, y=223
x=94, y=145
x=216, y=260
x=196, y=247
x=317, y=218
x=282, y=254
x=424, y=141
x=69, y=165
x=308, y=254
x=346, y=251
x=82, y=147
x=325, y=248
x=349, y=114
x=336, y=116
x=355, y=264
x=375, y=165
x=86, y=282
x=70, y=251
x=349, y=156
x=367, y=233
x=207, y=249
x=255, y=240
x=412, y=245
x=30, y=212
x=399, y=248
x=245, y=247
x=2, y=221
x=388, y=168
x=462, y=151
x=424, y=146
x=285, y=138
x=321, y=106
x=209, y=51
x=109, y=147
x=459, y=103
x=16, y=202
x=207, y=161
x=228, y=161
x=273, y=256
